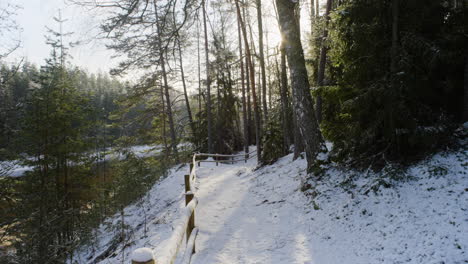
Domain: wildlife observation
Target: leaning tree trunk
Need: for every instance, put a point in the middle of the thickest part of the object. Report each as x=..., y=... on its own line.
x=208, y=90
x=252, y=83
x=302, y=100
x=187, y=102
x=323, y=60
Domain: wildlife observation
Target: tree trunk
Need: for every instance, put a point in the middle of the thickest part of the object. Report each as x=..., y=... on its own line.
x=285, y=109
x=249, y=105
x=244, y=107
x=166, y=148
x=252, y=83
x=262, y=59
x=198, y=67
x=317, y=8
x=394, y=51
x=302, y=100
x=465, y=106
x=187, y=103
x=323, y=60
x=312, y=15
x=208, y=83
x=297, y=138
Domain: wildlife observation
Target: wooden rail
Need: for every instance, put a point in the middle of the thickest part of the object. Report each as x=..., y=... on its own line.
x=186, y=226
x=246, y=156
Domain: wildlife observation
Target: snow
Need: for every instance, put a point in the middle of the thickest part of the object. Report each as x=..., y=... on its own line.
x=175, y=241
x=13, y=169
x=142, y=254
x=248, y=215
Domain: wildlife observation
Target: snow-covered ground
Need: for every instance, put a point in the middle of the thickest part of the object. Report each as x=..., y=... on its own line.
x=262, y=216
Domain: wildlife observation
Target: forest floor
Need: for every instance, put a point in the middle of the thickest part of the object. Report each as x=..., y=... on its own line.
x=248, y=215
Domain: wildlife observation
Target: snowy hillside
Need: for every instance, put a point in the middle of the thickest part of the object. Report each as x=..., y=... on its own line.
x=262, y=216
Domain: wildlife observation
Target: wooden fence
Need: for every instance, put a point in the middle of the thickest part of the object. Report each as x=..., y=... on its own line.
x=186, y=227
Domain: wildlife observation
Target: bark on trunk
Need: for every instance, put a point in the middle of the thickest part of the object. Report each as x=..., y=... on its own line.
x=312, y=15
x=302, y=100
x=317, y=8
x=394, y=51
x=166, y=148
x=297, y=138
x=208, y=90
x=244, y=107
x=285, y=109
x=249, y=105
x=199, y=68
x=323, y=60
x=465, y=106
x=262, y=60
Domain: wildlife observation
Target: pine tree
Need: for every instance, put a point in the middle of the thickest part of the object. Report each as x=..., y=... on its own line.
x=55, y=129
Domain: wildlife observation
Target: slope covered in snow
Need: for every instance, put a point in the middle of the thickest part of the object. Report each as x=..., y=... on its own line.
x=262, y=216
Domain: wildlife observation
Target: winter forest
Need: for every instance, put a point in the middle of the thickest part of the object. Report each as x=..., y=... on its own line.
x=351, y=116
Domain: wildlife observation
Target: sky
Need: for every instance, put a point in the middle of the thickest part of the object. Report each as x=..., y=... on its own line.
x=35, y=15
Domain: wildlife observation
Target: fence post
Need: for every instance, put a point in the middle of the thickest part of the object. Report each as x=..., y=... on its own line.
x=191, y=167
x=187, y=183
x=143, y=256
x=191, y=224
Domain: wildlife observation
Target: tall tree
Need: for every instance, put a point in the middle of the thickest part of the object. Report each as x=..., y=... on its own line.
x=242, y=76
x=323, y=59
x=302, y=100
x=252, y=81
x=394, y=47
x=262, y=59
x=285, y=107
x=465, y=90
x=312, y=15
x=55, y=129
x=162, y=52
x=208, y=82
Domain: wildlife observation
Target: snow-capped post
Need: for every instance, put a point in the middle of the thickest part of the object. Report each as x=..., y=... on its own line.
x=191, y=224
x=143, y=256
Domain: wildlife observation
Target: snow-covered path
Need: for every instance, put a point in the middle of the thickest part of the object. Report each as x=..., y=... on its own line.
x=248, y=216
x=244, y=218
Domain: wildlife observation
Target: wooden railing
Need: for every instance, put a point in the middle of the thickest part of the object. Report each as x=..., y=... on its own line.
x=246, y=156
x=186, y=226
